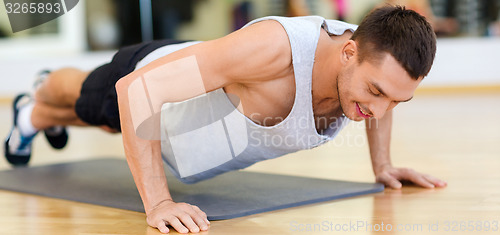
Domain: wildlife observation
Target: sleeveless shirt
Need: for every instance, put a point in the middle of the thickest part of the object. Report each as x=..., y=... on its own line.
x=206, y=136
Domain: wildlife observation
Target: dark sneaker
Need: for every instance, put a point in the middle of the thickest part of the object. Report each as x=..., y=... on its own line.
x=56, y=136
x=17, y=148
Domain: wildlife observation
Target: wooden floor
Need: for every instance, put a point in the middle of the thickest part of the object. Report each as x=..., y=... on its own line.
x=454, y=137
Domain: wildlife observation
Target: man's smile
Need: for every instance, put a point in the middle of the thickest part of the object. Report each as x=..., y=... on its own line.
x=361, y=112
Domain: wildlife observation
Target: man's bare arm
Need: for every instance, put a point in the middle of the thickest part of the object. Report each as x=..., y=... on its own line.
x=140, y=97
x=379, y=138
x=237, y=58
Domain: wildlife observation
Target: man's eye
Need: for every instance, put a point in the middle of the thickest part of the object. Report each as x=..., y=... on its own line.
x=373, y=93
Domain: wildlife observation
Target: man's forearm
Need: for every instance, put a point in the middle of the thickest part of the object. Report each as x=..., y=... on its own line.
x=379, y=138
x=143, y=157
x=146, y=166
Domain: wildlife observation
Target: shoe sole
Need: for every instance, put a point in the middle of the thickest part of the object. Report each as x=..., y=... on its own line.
x=59, y=141
x=16, y=160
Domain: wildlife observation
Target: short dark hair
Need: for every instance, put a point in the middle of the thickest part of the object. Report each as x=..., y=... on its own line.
x=404, y=34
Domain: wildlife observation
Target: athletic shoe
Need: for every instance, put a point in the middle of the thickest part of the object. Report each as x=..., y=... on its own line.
x=42, y=75
x=17, y=148
x=56, y=136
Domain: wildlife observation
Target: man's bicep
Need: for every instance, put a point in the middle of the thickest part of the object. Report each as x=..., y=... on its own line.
x=169, y=79
x=174, y=81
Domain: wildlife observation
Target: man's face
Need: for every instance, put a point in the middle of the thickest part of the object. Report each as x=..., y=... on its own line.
x=370, y=89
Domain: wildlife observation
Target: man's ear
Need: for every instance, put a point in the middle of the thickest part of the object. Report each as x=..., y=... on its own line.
x=349, y=51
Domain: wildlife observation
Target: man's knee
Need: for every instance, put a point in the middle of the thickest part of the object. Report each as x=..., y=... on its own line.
x=62, y=87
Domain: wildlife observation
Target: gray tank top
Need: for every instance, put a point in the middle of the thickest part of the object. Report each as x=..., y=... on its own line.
x=207, y=136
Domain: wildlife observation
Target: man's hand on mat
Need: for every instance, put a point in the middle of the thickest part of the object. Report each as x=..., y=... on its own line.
x=391, y=177
x=182, y=216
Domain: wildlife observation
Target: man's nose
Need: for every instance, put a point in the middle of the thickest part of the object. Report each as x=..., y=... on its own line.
x=380, y=107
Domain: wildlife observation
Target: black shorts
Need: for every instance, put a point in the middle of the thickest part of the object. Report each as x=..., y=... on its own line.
x=97, y=104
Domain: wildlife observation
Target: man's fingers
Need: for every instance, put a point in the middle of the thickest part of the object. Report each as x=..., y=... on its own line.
x=389, y=181
x=162, y=227
x=192, y=219
x=418, y=179
x=437, y=182
x=187, y=220
x=176, y=223
x=201, y=219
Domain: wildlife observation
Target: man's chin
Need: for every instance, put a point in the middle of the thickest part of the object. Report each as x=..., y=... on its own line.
x=352, y=116
x=355, y=119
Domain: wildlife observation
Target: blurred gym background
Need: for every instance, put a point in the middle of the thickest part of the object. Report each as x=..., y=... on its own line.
x=86, y=36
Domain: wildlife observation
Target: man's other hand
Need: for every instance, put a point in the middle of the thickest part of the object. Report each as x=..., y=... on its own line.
x=391, y=177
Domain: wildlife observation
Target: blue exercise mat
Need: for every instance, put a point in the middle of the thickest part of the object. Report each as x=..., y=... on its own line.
x=108, y=182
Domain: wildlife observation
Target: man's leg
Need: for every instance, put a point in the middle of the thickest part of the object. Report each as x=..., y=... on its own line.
x=52, y=108
x=54, y=104
x=55, y=99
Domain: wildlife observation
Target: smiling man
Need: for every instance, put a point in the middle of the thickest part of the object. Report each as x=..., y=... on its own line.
x=205, y=108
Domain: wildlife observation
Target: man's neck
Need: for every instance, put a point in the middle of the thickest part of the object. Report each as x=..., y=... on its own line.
x=327, y=66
